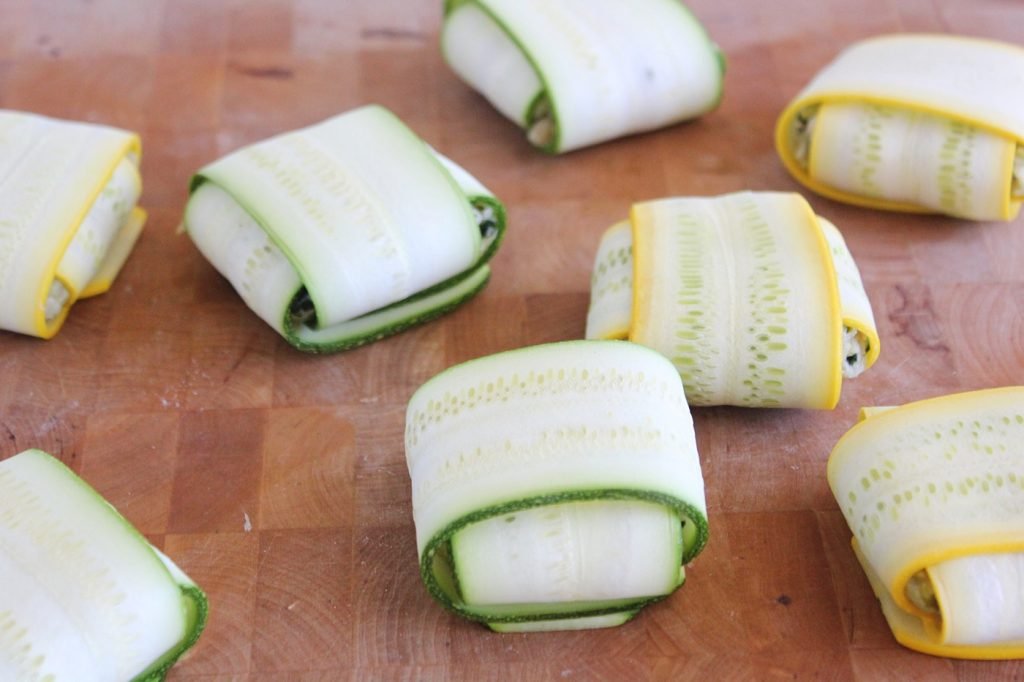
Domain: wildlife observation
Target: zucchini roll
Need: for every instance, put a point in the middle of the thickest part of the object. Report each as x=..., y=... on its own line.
x=68, y=216
x=917, y=123
x=754, y=298
x=347, y=231
x=933, y=492
x=86, y=598
x=574, y=73
x=555, y=487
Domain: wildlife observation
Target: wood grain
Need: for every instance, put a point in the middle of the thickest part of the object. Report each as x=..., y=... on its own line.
x=278, y=480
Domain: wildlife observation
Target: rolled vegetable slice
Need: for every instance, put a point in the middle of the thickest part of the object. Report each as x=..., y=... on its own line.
x=755, y=299
x=555, y=487
x=919, y=123
x=86, y=597
x=68, y=216
x=342, y=233
x=579, y=72
x=933, y=492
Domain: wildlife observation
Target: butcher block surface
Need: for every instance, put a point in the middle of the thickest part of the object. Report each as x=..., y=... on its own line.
x=277, y=480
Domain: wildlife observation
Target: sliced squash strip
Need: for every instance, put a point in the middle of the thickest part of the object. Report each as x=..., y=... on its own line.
x=861, y=344
x=347, y=231
x=611, y=285
x=933, y=492
x=580, y=72
x=555, y=487
x=740, y=293
x=86, y=596
x=68, y=216
x=920, y=123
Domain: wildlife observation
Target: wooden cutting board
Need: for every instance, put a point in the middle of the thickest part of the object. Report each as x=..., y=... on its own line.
x=278, y=481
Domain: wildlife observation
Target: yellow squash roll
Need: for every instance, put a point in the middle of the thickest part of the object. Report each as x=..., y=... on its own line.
x=68, y=216
x=934, y=494
x=754, y=298
x=918, y=123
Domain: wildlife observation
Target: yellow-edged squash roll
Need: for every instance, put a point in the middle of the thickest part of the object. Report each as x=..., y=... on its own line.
x=934, y=494
x=754, y=298
x=68, y=216
x=918, y=123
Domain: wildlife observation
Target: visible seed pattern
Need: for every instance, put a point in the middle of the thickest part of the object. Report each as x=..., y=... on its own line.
x=768, y=303
x=954, y=174
x=613, y=273
x=696, y=353
x=26, y=518
x=572, y=442
x=935, y=463
x=16, y=651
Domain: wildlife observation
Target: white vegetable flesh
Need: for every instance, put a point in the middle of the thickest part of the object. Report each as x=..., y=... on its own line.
x=85, y=597
x=981, y=598
x=95, y=236
x=909, y=157
x=572, y=552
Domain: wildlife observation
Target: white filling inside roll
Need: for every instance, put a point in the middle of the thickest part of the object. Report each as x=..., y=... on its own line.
x=855, y=351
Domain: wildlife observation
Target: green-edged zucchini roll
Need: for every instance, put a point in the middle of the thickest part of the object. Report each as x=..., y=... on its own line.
x=85, y=597
x=754, y=298
x=919, y=123
x=347, y=231
x=68, y=216
x=934, y=494
x=574, y=73
x=555, y=487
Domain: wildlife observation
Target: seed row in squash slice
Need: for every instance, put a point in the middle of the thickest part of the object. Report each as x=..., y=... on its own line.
x=347, y=231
